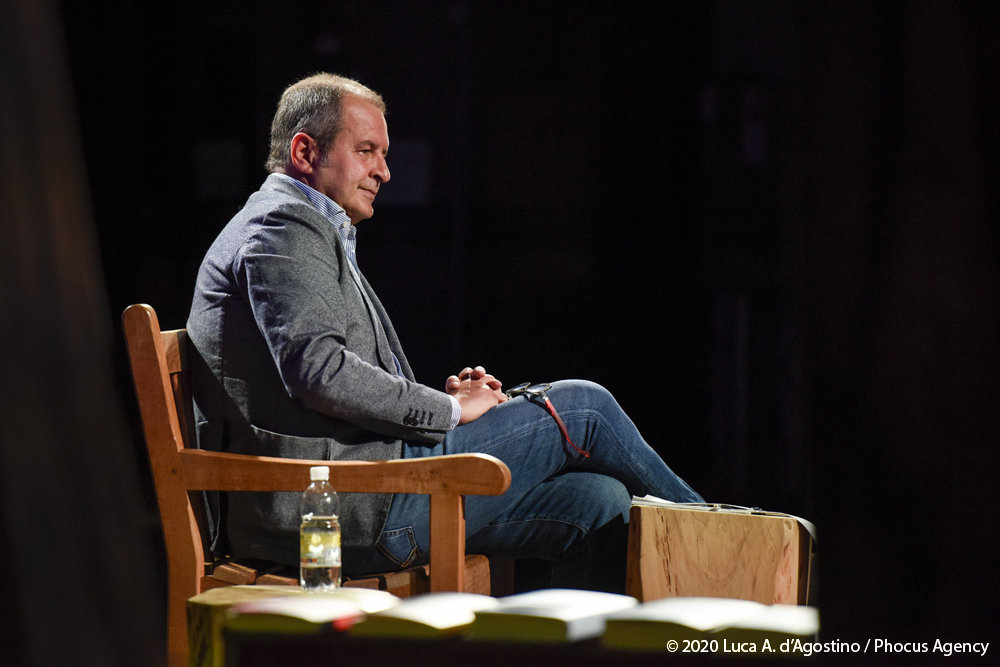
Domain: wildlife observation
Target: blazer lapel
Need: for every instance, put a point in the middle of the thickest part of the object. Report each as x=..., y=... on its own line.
x=376, y=312
x=379, y=322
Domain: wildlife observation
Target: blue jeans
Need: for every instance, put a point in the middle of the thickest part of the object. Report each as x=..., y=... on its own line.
x=557, y=497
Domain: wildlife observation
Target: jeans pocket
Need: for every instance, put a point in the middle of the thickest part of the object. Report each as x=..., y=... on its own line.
x=399, y=546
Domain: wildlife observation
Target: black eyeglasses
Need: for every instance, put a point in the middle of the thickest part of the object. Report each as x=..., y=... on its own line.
x=536, y=394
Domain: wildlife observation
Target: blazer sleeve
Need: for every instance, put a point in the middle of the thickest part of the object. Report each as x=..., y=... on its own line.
x=323, y=338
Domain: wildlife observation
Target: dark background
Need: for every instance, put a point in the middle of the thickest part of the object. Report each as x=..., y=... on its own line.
x=770, y=228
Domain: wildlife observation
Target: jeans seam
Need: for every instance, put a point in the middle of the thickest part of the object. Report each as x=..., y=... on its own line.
x=414, y=553
x=537, y=518
x=598, y=418
x=518, y=434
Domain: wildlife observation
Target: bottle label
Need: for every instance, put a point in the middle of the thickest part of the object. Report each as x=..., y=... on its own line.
x=319, y=544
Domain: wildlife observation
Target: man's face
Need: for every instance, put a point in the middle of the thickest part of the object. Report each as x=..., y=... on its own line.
x=354, y=168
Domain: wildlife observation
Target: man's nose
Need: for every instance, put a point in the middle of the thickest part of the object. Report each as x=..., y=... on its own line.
x=382, y=170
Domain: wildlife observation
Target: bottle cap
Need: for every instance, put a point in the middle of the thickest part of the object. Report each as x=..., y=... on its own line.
x=319, y=472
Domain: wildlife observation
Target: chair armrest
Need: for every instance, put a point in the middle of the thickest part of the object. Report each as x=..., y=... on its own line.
x=460, y=474
x=446, y=478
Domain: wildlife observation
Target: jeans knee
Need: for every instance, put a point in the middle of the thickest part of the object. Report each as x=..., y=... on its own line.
x=618, y=501
x=583, y=394
x=608, y=498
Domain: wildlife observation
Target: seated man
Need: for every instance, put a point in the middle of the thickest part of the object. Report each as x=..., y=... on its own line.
x=296, y=357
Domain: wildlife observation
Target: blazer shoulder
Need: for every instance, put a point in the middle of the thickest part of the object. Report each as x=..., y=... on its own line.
x=283, y=205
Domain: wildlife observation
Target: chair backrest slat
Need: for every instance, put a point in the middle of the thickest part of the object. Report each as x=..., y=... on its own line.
x=158, y=372
x=175, y=351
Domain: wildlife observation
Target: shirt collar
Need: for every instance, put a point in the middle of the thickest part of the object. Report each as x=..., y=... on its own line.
x=333, y=212
x=329, y=208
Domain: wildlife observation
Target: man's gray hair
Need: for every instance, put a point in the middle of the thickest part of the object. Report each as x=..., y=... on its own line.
x=313, y=105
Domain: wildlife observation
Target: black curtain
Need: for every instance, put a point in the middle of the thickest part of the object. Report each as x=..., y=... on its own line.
x=898, y=159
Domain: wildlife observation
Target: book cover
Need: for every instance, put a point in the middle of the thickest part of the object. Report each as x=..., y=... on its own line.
x=549, y=615
x=652, y=625
x=429, y=615
x=308, y=613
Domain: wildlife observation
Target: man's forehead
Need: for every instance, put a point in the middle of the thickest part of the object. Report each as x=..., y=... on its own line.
x=363, y=118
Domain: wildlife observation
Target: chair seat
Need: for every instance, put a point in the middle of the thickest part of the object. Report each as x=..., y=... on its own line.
x=404, y=583
x=416, y=580
x=249, y=573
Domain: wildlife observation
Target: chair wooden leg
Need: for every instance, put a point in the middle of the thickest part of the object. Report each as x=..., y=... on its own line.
x=177, y=632
x=447, y=543
x=182, y=583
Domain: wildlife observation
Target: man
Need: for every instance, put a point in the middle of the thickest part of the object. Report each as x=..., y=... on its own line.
x=296, y=357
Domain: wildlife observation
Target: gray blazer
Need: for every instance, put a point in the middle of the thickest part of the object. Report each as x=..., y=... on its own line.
x=293, y=357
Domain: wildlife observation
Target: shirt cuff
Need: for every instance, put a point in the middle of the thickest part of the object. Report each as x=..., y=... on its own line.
x=456, y=411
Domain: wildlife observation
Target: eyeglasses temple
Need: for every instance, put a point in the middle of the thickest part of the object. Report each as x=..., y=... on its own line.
x=562, y=426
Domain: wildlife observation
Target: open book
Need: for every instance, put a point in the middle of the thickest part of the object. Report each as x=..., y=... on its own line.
x=425, y=616
x=549, y=615
x=308, y=613
x=652, y=625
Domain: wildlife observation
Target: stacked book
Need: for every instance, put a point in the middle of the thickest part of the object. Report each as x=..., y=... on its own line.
x=618, y=622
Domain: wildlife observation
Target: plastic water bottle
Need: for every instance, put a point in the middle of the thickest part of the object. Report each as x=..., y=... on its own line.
x=319, y=534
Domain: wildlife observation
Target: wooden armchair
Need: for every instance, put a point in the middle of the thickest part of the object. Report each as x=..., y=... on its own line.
x=158, y=361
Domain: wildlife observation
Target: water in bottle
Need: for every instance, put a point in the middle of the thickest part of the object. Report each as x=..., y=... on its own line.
x=319, y=534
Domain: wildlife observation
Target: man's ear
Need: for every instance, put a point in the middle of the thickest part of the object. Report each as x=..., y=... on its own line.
x=304, y=153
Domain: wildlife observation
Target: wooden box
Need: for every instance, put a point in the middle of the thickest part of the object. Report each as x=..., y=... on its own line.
x=717, y=551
